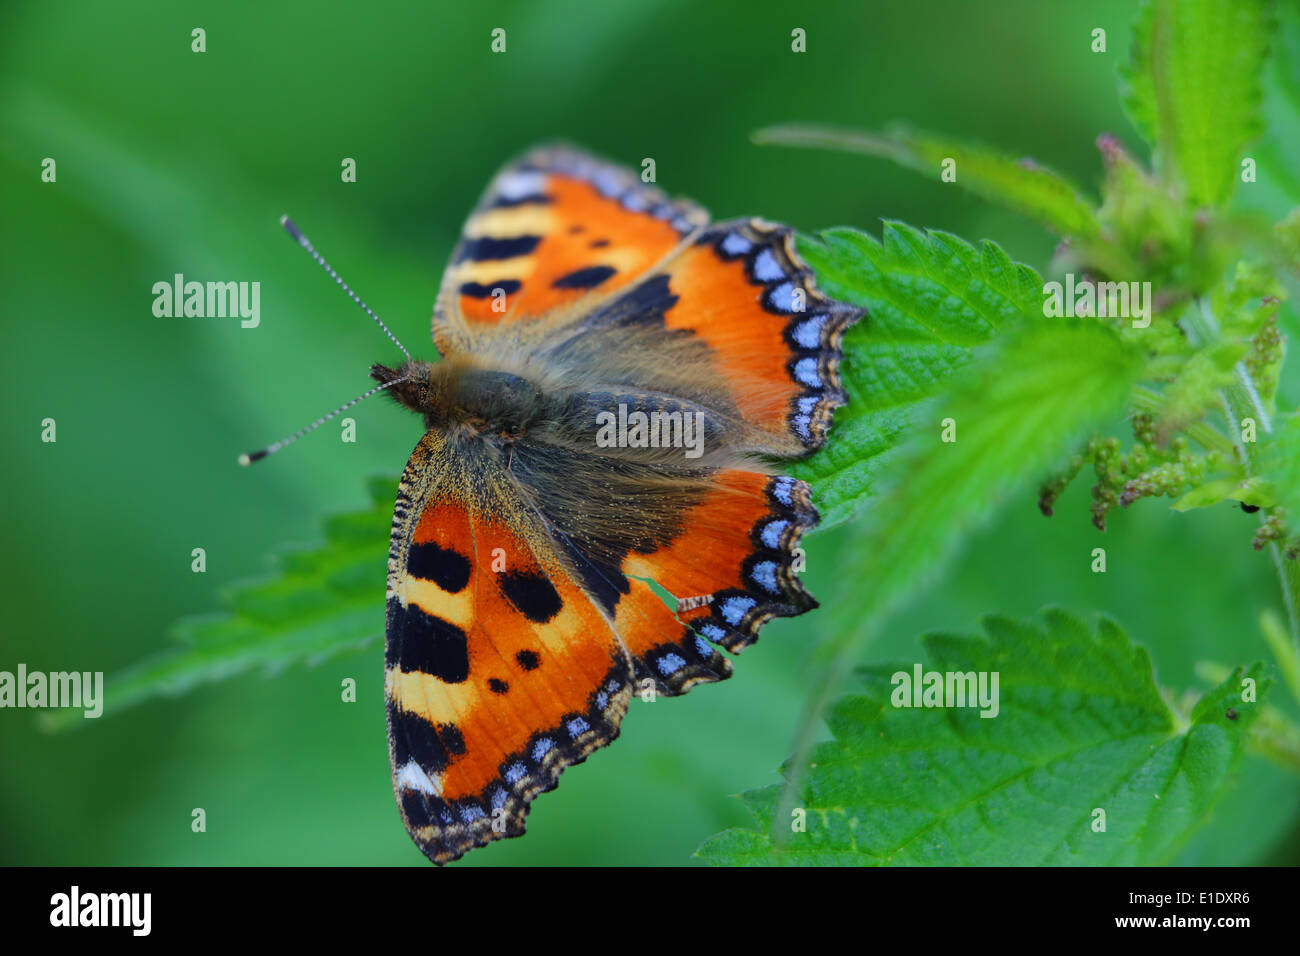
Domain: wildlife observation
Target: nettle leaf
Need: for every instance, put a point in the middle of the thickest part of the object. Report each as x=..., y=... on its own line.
x=1012, y=415
x=1024, y=185
x=1080, y=727
x=1288, y=236
x=932, y=299
x=1211, y=493
x=1194, y=87
x=1196, y=386
x=1280, y=462
x=321, y=601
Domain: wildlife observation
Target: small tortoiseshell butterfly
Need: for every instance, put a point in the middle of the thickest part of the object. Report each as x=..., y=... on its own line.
x=617, y=377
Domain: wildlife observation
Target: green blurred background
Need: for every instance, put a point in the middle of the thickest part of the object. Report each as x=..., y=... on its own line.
x=171, y=161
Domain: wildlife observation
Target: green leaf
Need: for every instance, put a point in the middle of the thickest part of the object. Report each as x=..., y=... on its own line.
x=1288, y=237
x=1196, y=386
x=321, y=602
x=1285, y=652
x=932, y=298
x=1193, y=87
x=1015, y=413
x=1080, y=726
x=1210, y=493
x=1280, y=467
x=1020, y=184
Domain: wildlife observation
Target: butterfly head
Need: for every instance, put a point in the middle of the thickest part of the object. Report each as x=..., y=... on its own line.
x=412, y=383
x=459, y=394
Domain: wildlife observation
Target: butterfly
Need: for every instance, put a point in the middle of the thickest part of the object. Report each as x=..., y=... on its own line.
x=618, y=380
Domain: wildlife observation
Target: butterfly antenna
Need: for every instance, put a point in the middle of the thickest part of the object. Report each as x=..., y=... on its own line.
x=271, y=449
x=303, y=241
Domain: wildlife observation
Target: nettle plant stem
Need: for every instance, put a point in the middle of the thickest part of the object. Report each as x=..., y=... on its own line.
x=1289, y=573
x=1241, y=401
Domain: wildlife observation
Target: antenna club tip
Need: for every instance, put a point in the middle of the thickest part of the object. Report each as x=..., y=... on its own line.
x=247, y=459
x=291, y=228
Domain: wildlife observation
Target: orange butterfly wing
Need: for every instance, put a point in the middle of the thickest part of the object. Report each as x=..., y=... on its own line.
x=500, y=671
x=731, y=569
x=742, y=289
x=551, y=229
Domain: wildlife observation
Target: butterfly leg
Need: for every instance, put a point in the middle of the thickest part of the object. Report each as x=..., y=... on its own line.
x=509, y=438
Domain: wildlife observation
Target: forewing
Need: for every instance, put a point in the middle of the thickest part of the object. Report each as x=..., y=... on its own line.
x=554, y=228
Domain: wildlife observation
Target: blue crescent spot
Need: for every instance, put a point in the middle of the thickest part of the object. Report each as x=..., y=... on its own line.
x=808, y=333
x=781, y=297
x=772, y=532
x=805, y=370
x=670, y=664
x=766, y=268
x=542, y=748
x=734, y=244
x=764, y=575
x=735, y=608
